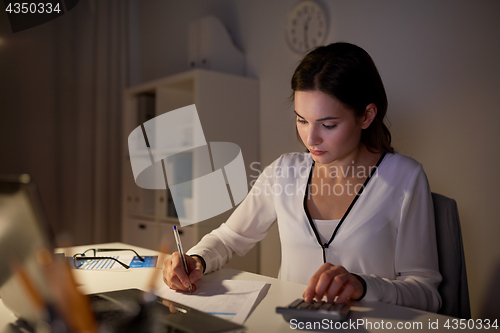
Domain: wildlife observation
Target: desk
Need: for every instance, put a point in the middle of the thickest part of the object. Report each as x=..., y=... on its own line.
x=263, y=317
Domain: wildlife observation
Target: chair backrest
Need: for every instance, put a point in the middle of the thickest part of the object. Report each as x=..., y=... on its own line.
x=453, y=289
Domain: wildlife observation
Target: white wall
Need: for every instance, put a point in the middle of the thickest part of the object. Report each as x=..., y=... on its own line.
x=439, y=63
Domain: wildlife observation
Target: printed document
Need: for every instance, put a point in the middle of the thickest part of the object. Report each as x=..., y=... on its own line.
x=228, y=299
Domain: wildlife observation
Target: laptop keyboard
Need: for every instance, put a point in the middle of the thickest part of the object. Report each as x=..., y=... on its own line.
x=124, y=311
x=113, y=316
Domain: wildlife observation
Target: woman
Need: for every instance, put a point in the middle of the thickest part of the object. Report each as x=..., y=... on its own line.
x=355, y=219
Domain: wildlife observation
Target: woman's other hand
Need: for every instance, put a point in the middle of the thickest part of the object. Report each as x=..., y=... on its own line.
x=332, y=281
x=174, y=275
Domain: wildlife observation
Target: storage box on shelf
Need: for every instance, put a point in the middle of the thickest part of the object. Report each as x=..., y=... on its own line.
x=228, y=110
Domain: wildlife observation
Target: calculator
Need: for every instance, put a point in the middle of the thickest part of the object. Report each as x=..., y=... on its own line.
x=314, y=311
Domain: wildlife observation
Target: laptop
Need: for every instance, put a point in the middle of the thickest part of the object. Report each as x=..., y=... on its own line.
x=24, y=230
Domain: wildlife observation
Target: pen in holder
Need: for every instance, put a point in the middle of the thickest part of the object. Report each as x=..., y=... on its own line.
x=55, y=310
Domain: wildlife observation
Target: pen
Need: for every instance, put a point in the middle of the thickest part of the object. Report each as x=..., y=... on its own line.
x=181, y=253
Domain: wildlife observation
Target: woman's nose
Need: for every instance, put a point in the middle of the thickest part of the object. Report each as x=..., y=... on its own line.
x=313, y=137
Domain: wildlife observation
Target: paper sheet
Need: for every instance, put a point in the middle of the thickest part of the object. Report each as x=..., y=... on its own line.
x=228, y=299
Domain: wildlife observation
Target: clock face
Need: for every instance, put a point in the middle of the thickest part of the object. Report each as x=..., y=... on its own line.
x=306, y=26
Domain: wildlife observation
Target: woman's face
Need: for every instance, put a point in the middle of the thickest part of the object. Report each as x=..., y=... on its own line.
x=329, y=130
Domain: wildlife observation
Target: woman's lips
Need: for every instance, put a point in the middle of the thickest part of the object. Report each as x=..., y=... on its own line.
x=317, y=152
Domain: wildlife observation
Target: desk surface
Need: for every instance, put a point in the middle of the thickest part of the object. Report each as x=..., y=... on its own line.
x=375, y=316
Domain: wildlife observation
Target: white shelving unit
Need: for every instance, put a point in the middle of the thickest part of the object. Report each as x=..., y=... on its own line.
x=228, y=110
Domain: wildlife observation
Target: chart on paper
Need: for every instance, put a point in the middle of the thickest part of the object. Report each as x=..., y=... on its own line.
x=228, y=299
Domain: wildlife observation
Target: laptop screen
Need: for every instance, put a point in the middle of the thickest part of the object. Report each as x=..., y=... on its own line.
x=23, y=232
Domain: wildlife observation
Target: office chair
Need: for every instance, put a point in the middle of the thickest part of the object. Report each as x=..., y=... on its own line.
x=490, y=307
x=453, y=289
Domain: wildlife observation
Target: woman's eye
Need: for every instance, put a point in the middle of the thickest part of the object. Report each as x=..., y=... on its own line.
x=330, y=126
x=302, y=121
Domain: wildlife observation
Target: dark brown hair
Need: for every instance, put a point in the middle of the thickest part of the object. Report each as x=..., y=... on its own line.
x=348, y=73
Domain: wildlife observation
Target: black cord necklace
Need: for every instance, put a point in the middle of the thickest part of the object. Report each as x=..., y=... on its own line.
x=325, y=246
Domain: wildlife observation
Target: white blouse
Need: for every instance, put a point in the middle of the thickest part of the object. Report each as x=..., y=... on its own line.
x=325, y=228
x=388, y=237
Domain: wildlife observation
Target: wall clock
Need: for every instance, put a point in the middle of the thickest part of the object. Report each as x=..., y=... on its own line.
x=306, y=26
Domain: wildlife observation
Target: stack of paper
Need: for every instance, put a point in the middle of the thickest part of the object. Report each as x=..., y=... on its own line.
x=229, y=299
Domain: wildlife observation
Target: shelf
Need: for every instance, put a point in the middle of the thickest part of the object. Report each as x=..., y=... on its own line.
x=220, y=99
x=143, y=217
x=161, y=152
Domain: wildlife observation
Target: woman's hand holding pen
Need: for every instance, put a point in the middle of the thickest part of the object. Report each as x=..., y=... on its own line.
x=332, y=281
x=174, y=275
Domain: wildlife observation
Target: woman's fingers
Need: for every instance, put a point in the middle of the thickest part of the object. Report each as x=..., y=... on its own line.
x=311, y=287
x=173, y=273
x=178, y=270
x=346, y=293
x=310, y=292
x=322, y=282
x=175, y=276
x=176, y=284
x=332, y=281
x=336, y=281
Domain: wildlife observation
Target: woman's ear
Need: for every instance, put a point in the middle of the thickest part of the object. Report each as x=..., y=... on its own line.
x=369, y=116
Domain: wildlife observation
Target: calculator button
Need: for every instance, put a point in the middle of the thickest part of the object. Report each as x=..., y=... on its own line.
x=316, y=305
x=314, y=311
x=304, y=305
x=326, y=306
x=296, y=303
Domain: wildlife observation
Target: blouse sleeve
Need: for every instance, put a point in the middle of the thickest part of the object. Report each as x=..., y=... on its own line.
x=416, y=259
x=247, y=225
